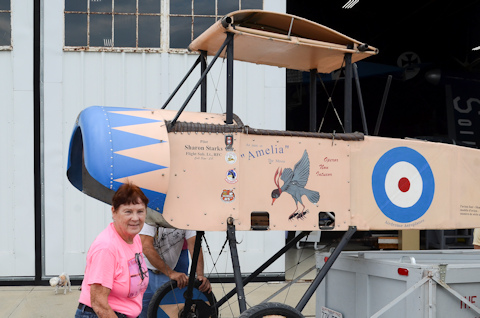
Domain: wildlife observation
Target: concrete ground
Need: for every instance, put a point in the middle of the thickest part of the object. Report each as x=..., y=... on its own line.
x=41, y=301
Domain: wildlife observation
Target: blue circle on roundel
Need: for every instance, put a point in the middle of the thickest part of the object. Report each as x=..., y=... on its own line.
x=391, y=210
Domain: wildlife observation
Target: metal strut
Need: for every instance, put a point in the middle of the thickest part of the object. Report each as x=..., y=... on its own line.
x=382, y=105
x=260, y=269
x=204, y=74
x=348, y=92
x=360, y=98
x=203, y=89
x=188, y=295
x=236, y=265
x=183, y=81
x=229, y=119
x=326, y=267
x=313, y=100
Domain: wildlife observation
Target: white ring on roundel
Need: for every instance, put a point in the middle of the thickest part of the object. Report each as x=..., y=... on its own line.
x=398, y=171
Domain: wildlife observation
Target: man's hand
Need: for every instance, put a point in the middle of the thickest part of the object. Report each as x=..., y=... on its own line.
x=180, y=278
x=205, y=286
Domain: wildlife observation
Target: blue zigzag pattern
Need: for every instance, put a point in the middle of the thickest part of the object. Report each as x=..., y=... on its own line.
x=119, y=120
x=125, y=166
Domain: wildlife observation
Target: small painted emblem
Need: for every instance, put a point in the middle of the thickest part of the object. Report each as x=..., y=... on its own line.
x=231, y=176
x=227, y=195
x=229, y=142
x=231, y=157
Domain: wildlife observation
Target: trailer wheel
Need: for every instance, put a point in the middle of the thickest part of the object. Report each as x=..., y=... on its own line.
x=271, y=309
x=168, y=301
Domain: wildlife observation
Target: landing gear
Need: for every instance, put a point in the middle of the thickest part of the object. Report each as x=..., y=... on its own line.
x=271, y=309
x=169, y=301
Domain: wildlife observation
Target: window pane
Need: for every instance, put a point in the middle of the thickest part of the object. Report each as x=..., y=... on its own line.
x=75, y=29
x=252, y=4
x=148, y=31
x=100, y=5
x=75, y=5
x=227, y=6
x=201, y=24
x=100, y=30
x=125, y=6
x=180, y=32
x=5, y=5
x=5, y=30
x=181, y=7
x=149, y=6
x=204, y=7
x=125, y=31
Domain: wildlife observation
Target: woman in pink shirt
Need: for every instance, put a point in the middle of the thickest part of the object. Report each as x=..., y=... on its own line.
x=116, y=275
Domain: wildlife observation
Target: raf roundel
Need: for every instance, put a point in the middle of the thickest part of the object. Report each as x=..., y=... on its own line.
x=403, y=184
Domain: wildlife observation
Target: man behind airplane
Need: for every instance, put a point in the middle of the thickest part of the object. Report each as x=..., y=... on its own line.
x=162, y=248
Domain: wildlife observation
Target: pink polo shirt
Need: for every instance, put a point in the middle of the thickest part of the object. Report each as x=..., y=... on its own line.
x=111, y=262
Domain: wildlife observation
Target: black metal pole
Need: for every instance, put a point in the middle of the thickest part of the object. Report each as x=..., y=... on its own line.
x=382, y=106
x=360, y=99
x=181, y=82
x=323, y=272
x=230, y=79
x=237, y=274
x=313, y=100
x=37, y=141
x=348, y=93
x=200, y=80
x=188, y=295
x=272, y=259
x=203, y=89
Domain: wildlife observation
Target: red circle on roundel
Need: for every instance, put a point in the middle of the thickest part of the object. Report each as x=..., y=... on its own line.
x=404, y=184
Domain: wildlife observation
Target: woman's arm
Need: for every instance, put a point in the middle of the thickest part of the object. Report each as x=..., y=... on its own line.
x=99, y=300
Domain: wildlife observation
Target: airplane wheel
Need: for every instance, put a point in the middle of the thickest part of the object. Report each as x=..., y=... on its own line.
x=271, y=309
x=168, y=301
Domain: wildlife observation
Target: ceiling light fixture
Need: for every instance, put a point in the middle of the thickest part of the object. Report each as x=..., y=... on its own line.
x=350, y=4
x=476, y=48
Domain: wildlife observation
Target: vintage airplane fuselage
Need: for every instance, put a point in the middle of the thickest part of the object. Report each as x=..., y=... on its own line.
x=200, y=172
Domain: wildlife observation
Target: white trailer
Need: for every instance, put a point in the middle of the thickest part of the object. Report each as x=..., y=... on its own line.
x=440, y=283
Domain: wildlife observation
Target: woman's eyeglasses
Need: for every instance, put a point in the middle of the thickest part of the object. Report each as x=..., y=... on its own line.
x=138, y=259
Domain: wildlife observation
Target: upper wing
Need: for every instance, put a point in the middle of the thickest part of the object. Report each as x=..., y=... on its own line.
x=301, y=171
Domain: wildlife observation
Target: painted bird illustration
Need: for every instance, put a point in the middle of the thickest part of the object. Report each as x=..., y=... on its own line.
x=294, y=182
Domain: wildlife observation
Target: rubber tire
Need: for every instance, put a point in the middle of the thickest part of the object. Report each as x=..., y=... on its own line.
x=267, y=309
x=170, y=290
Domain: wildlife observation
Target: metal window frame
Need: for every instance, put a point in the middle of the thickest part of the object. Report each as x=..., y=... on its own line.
x=164, y=29
x=8, y=47
x=113, y=48
x=192, y=15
